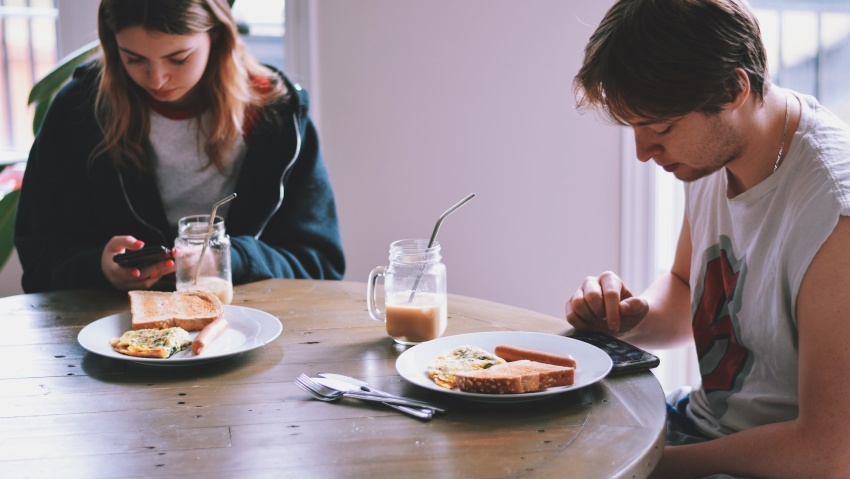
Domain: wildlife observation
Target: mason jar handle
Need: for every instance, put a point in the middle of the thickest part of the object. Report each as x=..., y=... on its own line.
x=372, y=294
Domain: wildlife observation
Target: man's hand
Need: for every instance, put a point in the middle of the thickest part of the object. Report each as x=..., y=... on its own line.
x=604, y=304
x=130, y=278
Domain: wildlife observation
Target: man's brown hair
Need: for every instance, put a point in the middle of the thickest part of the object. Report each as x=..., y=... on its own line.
x=662, y=59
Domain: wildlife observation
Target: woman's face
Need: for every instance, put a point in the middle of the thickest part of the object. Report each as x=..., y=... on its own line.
x=168, y=67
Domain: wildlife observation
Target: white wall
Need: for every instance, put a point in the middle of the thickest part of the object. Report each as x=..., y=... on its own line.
x=422, y=103
x=77, y=24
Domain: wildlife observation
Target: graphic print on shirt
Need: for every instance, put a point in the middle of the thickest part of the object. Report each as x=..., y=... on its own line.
x=723, y=359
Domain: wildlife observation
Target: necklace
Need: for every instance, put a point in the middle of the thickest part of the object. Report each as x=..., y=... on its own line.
x=784, y=132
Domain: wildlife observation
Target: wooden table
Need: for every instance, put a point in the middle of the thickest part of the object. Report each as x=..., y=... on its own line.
x=68, y=413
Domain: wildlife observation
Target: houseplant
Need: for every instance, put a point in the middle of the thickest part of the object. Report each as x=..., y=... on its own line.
x=10, y=186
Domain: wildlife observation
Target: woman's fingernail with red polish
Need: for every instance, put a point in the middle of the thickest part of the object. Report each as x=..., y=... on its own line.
x=154, y=275
x=139, y=243
x=169, y=263
x=137, y=273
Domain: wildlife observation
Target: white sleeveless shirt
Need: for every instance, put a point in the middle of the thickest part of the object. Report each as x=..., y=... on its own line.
x=750, y=254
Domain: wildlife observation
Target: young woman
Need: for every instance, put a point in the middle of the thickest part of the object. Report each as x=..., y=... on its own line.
x=174, y=116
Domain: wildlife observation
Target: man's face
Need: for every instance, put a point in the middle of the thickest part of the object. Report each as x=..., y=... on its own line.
x=690, y=147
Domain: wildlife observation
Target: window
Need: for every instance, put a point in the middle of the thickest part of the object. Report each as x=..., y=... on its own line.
x=808, y=44
x=28, y=50
x=265, y=21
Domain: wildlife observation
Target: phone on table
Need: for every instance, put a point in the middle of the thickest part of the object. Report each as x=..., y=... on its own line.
x=626, y=357
x=143, y=257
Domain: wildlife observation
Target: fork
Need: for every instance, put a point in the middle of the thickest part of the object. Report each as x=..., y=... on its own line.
x=327, y=394
x=310, y=391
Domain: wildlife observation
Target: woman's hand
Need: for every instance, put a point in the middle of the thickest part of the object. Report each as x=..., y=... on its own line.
x=604, y=304
x=130, y=277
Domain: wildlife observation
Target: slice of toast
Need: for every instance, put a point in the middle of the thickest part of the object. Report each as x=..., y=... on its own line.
x=550, y=375
x=515, y=378
x=190, y=310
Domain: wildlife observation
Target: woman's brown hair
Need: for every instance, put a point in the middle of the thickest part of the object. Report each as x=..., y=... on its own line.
x=228, y=86
x=662, y=59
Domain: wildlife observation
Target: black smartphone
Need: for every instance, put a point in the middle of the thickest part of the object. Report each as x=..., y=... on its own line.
x=143, y=257
x=626, y=357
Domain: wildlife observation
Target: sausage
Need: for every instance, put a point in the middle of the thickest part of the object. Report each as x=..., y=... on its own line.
x=514, y=353
x=209, y=334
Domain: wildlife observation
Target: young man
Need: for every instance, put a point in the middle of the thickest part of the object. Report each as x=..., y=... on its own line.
x=761, y=276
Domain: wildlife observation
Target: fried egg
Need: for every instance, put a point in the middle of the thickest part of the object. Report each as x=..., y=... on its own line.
x=464, y=358
x=152, y=343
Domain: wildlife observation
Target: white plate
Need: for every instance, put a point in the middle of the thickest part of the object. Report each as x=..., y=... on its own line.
x=247, y=329
x=593, y=364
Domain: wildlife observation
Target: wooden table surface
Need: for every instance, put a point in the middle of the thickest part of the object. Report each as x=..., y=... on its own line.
x=68, y=413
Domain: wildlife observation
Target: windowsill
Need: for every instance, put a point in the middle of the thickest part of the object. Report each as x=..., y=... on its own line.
x=8, y=157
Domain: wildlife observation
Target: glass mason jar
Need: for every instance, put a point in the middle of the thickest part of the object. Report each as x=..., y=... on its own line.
x=414, y=306
x=202, y=268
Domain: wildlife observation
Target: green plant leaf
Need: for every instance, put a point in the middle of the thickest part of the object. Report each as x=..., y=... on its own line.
x=39, y=114
x=8, y=212
x=47, y=86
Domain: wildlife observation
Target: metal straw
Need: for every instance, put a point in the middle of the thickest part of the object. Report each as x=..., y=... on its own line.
x=209, y=234
x=434, y=237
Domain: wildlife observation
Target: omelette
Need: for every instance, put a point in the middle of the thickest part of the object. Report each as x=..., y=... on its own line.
x=152, y=343
x=464, y=358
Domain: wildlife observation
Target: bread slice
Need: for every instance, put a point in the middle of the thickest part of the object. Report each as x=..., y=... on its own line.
x=190, y=310
x=515, y=378
x=550, y=375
